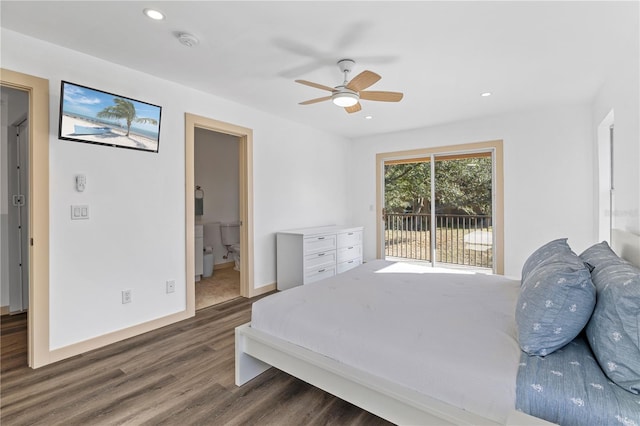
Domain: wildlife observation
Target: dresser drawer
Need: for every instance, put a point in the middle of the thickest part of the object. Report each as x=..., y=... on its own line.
x=350, y=264
x=349, y=253
x=346, y=239
x=320, y=274
x=318, y=260
x=319, y=244
x=311, y=254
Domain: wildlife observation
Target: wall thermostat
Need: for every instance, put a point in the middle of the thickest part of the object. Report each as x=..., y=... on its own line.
x=81, y=182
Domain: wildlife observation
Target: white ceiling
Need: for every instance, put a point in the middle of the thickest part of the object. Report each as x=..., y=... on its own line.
x=442, y=55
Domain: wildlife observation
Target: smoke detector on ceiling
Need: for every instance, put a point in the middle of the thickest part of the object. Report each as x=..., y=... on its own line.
x=188, y=39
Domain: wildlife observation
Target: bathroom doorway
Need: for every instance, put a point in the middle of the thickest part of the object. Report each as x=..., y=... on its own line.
x=32, y=294
x=217, y=211
x=15, y=200
x=244, y=138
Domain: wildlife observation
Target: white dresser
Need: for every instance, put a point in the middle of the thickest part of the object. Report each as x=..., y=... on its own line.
x=311, y=254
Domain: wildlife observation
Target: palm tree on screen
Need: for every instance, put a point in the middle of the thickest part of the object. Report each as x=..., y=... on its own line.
x=124, y=110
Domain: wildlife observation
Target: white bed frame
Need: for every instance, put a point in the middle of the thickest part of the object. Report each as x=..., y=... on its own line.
x=257, y=351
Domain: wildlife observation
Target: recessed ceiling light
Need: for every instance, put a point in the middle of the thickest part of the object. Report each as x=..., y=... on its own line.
x=368, y=117
x=485, y=94
x=156, y=15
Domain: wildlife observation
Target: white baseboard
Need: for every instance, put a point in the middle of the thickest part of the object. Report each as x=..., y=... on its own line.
x=262, y=290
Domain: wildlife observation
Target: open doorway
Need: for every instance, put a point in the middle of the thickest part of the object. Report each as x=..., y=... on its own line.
x=34, y=132
x=244, y=137
x=605, y=178
x=217, y=211
x=15, y=200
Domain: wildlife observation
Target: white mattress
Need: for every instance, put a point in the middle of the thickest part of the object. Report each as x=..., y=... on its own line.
x=451, y=336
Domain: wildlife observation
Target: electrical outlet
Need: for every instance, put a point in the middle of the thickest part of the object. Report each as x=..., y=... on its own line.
x=126, y=296
x=171, y=286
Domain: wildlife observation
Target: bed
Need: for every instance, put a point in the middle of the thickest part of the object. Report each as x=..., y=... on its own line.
x=341, y=333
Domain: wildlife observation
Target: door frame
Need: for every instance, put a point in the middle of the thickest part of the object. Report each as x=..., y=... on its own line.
x=498, y=196
x=38, y=352
x=245, y=139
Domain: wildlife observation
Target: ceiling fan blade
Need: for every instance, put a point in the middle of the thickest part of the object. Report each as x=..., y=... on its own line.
x=316, y=100
x=373, y=95
x=363, y=80
x=357, y=107
x=316, y=85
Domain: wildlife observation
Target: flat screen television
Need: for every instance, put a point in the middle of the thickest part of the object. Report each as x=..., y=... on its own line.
x=97, y=117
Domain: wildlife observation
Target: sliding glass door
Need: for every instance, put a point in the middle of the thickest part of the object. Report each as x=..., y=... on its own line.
x=439, y=208
x=462, y=209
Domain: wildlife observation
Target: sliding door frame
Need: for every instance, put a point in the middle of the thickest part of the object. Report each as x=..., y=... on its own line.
x=429, y=154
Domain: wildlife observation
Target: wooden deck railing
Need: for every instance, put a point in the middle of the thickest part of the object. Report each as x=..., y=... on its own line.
x=460, y=239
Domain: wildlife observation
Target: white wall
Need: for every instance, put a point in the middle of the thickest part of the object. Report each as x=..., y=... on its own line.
x=217, y=173
x=548, y=175
x=135, y=237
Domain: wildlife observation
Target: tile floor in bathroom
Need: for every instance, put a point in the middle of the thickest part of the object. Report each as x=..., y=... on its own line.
x=222, y=286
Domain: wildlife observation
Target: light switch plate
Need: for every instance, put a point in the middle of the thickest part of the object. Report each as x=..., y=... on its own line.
x=79, y=212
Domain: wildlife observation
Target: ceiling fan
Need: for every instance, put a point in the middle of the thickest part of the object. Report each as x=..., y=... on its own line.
x=349, y=93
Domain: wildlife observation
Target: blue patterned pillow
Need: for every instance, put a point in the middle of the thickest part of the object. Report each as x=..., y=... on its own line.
x=552, y=247
x=614, y=329
x=556, y=300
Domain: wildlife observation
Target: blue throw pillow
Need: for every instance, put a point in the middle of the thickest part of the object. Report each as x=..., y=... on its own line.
x=614, y=329
x=555, y=303
x=552, y=247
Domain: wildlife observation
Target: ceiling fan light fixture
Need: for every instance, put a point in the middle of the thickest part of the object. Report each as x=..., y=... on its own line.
x=345, y=99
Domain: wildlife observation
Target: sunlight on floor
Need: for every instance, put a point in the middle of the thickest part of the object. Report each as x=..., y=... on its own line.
x=423, y=267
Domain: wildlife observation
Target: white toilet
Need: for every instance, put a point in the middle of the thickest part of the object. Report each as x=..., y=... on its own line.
x=230, y=235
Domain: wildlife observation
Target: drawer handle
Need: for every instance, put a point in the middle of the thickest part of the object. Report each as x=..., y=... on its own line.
x=351, y=261
x=350, y=233
x=322, y=270
x=350, y=248
x=321, y=254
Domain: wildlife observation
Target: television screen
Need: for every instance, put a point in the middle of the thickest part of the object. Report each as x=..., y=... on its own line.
x=93, y=116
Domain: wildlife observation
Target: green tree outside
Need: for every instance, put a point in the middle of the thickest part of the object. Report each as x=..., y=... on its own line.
x=463, y=186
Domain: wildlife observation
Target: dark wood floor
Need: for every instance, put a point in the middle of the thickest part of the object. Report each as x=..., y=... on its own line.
x=182, y=374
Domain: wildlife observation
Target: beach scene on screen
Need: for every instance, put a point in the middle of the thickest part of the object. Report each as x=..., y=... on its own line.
x=94, y=116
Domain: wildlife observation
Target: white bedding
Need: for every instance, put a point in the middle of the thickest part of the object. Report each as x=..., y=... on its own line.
x=447, y=335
